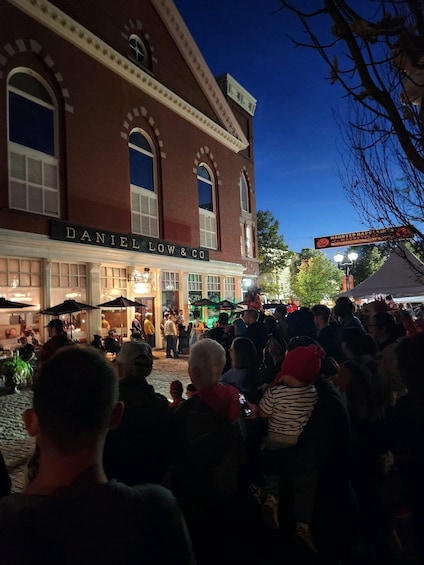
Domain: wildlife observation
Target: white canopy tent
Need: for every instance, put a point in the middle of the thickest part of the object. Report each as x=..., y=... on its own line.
x=401, y=276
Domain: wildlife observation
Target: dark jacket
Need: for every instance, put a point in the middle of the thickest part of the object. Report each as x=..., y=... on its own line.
x=257, y=333
x=206, y=456
x=328, y=338
x=138, y=450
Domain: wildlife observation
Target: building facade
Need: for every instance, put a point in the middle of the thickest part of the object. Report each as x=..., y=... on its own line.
x=126, y=167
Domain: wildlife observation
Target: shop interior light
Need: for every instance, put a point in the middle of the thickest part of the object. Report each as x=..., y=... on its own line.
x=140, y=277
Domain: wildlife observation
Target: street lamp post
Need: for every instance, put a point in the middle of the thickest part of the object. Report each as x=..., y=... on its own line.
x=346, y=266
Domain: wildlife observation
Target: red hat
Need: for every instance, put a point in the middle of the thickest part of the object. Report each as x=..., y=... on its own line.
x=303, y=363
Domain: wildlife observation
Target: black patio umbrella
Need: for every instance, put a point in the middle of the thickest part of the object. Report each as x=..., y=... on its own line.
x=204, y=302
x=67, y=307
x=10, y=304
x=121, y=302
x=227, y=305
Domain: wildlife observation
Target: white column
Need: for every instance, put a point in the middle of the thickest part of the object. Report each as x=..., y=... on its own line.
x=184, y=293
x=46, y=265
x=94, y=317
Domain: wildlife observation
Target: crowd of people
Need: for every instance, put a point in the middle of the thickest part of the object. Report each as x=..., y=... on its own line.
x=298, y=442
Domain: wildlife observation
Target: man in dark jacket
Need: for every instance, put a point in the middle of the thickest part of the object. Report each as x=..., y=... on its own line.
x=58, y=338
x=222, y=334
x=138, y=450
x=256, y=330
x=327, y=333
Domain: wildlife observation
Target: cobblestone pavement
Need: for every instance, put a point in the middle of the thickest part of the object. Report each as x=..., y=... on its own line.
x=15, y=444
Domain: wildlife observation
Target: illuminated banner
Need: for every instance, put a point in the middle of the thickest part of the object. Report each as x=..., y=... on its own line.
x=131, y=242
x=362, y=237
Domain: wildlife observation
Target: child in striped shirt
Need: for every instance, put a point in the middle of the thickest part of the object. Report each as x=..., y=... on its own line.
x=288, y=407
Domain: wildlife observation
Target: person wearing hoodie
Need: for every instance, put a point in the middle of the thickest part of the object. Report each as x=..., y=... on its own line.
x=207, y=451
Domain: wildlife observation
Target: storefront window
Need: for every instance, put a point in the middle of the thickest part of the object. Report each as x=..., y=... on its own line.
x=69, y=276
x=213, y=288
x=69, y=280
x=194, y=287
x=170, y=285
x=20, y=281
x=113, y=278
x=229, y=288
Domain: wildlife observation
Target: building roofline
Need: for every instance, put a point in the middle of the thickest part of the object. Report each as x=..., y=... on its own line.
x=66, y=27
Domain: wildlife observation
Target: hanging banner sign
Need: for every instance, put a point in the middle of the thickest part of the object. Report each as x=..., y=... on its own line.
x=362, y=237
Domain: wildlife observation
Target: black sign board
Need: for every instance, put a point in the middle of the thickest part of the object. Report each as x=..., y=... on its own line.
x=62, y=231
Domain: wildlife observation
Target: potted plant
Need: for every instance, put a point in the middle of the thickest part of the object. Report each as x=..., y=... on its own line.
x=17, y=372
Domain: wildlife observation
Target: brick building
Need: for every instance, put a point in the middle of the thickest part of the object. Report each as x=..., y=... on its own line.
x=126, y=167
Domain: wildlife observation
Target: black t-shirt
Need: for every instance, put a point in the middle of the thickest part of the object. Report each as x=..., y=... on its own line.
x=90, y=524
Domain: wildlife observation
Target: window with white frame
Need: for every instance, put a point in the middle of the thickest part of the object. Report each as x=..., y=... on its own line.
x=195, y=283
x=32, y=145
x=207, y=214
x=113, y=278
x=170, y=280
x=229, y=288
x=144, y=202
x=213, y=287
x=68, y=275
x=20, y=272
x=244, y=194
x=194, y=287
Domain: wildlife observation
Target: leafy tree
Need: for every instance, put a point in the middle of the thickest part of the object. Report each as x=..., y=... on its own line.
x=377, y=58
x=315, y=277
x=370, y=259
x=273, y=252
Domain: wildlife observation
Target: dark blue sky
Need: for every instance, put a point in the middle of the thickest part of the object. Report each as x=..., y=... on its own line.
x=297, y=141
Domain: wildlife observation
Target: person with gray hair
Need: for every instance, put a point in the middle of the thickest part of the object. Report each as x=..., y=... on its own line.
x=206, y=462
x=138, y=451
x=206, y=362
x=71, y=513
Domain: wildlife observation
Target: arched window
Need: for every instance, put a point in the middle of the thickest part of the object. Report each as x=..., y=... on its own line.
x=140, y=53
x=207, y=214
x=244, y=194
x=32, y=144
x=144, y=202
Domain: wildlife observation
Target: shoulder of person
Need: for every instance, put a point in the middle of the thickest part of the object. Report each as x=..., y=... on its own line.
x=162, y=398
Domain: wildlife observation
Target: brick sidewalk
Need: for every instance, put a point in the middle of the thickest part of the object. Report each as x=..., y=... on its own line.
x=15, y=444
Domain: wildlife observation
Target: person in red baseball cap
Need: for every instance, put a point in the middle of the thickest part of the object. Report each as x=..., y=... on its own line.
x=288, y=406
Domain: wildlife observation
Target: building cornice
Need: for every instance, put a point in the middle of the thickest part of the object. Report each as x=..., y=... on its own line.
x=194, y=58
x=63, y=25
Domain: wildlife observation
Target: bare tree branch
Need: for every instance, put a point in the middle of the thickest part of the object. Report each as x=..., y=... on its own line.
x=378, y=59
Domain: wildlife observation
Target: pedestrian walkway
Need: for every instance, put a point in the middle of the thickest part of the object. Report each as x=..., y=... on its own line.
x=15, y=444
